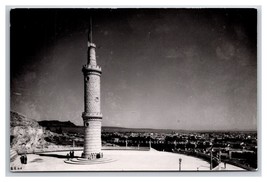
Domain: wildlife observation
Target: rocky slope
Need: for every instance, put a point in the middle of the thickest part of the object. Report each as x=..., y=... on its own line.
x=26, y=135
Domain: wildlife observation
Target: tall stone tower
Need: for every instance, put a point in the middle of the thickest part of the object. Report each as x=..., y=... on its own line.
x=92, y=116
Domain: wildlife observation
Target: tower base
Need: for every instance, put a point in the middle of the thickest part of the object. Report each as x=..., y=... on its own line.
x=92, y=156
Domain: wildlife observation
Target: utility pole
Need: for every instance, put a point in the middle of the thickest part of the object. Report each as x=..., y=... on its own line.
x=220, y=158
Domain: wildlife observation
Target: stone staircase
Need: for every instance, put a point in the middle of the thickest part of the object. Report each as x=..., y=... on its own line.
x=15, y=163
x=83, y=161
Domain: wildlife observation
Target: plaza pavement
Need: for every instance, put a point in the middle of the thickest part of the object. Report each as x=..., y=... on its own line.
x=120, y=160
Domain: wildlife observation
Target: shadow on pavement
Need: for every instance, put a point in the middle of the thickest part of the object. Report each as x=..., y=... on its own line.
x=57, y=156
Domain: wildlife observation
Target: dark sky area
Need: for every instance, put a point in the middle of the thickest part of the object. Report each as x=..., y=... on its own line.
x=162, y=68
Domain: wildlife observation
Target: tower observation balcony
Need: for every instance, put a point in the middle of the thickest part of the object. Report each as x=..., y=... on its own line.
x=91, y=68
x=92, y=115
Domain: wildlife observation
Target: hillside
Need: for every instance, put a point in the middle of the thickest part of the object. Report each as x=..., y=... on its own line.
x=17, y=119
x=26, y=135
x=56, y=123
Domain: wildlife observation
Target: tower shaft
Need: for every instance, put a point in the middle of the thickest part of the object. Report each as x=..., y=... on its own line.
x=92, y=116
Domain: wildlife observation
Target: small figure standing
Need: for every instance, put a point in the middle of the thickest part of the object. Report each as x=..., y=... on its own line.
x=68, y=157
x=72, y=154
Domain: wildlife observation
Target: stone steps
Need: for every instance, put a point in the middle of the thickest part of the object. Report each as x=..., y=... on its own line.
x=83, y=161
x=16, y=165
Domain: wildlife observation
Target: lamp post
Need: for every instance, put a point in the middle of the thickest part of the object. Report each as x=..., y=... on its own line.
x=220, y=158
x=180, y=162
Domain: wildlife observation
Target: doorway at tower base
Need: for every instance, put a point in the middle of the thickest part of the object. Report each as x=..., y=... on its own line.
x=93, y=156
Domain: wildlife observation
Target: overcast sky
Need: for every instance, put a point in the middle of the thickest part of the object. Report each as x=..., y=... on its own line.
x=162, y=68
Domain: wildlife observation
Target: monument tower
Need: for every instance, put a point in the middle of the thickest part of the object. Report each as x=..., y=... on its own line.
x=92, y=116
